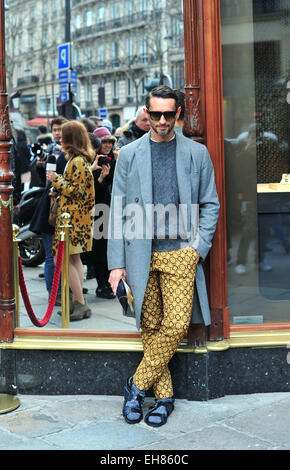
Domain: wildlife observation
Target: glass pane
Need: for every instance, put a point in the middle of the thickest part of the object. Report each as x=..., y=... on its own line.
x=255, y=45
x=120, y=48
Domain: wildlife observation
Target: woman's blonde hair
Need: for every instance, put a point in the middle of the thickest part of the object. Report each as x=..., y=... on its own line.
x=75, y=140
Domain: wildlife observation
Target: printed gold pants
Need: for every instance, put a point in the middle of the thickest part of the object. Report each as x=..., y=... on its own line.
x=165, y=317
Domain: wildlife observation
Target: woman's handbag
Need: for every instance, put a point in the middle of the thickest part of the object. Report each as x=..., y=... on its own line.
x=53, y=210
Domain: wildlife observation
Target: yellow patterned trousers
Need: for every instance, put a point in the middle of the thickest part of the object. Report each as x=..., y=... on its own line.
x=165, y=317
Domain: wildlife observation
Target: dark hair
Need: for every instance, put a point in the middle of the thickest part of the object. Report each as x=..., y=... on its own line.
x=42, y=129
x=95, y=142
x=89, y=124
x=161, y=91
x=181, y=102
x=59, y=121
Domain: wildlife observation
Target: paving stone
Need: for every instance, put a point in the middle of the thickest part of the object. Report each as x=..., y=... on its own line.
x=76, y=411
x=211, y=438
x=270, y=422
x=103, y=435
x=30, y=423
x=11, y=442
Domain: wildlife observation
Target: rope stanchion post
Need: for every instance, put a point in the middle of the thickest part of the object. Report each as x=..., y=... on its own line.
x=54, y=289
x=62, y=259
x=16, y=255
x=65, y=270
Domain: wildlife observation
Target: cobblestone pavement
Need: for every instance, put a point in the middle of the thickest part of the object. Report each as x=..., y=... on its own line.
x=82, y=422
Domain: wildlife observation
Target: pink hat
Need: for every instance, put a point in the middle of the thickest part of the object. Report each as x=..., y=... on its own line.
x=104, y=134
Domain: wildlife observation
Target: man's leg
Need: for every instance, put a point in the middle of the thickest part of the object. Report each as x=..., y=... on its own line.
x=150, y=323
x=176, y=274
x=151, y=318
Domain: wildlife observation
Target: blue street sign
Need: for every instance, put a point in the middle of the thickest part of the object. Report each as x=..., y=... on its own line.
x=73, y=80
x=73, y=76
x=64, y=56
x=63, y=97
x=66, y=77
x=63, y=87
x=63, y=76
x=73, y=88
x=103, y=113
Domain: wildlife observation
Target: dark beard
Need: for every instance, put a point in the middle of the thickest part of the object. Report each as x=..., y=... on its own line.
x=163, y=132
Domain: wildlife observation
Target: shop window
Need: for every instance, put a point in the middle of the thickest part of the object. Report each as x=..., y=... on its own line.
x=257, y=154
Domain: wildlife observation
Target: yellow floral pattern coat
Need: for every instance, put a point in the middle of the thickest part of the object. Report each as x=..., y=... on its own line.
x=77, y=197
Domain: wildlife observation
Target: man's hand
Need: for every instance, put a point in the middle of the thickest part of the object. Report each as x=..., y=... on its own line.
x=115, y=276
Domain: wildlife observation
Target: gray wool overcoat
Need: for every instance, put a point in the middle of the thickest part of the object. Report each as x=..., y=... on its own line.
x=132, y=194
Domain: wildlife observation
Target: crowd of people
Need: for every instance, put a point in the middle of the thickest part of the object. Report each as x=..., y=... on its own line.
x=81, y=183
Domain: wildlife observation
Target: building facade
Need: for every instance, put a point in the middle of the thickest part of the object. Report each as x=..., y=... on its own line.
x=33, y=31
x=118, y=47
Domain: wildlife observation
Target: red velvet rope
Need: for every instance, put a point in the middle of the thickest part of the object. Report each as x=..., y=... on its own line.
x=53, y=294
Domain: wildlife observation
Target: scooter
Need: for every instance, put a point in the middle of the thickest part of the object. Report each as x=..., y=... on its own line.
x=30, y=245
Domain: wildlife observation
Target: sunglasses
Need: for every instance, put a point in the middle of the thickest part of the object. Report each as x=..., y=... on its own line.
x=156, y=115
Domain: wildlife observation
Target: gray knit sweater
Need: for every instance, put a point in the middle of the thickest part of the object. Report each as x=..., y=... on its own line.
x=165, y=194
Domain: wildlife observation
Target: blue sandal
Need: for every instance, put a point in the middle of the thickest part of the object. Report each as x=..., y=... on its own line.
x=158, y=414
x=132, y=409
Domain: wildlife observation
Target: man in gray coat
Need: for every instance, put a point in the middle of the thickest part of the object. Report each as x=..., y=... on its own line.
x=163, y=216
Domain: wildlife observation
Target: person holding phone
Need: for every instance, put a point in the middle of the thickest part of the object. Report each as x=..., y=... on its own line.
x=77, y=197
x=103, y=172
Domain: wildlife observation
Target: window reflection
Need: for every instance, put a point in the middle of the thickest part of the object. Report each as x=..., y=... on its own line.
x=255, y=41
x=119, y=48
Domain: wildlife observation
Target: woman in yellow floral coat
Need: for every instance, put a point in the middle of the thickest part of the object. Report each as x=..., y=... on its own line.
x=76, y=196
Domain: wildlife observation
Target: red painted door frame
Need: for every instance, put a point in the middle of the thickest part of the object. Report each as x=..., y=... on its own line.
x=204, y=122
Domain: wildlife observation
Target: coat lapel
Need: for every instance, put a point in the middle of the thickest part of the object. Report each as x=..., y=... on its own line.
x=183, y=170
x=143, y=159
x=183, y=162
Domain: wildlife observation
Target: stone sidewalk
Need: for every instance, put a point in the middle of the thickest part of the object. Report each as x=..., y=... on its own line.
x=87, y=422
x=82, y=422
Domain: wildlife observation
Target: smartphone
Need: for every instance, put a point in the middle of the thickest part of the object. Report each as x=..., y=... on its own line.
x=103, y=160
